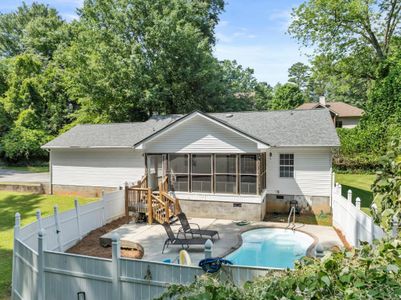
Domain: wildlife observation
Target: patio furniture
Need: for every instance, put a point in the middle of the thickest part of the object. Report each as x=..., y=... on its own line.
x=176, y=241
x=186, y=228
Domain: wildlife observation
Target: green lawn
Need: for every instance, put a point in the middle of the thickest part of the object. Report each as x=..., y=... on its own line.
x=360, y=184
x=26, y=205
x=34, y=169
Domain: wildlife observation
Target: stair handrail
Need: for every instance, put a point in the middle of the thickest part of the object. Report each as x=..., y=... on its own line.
x=292, y=212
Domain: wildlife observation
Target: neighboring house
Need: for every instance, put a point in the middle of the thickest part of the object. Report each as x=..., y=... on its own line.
x=343, y=114
x=227, y=165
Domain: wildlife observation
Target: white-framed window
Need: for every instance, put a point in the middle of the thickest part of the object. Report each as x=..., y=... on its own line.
x=287, y=165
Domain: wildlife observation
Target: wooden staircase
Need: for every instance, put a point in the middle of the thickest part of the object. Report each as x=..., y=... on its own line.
x=159, y=206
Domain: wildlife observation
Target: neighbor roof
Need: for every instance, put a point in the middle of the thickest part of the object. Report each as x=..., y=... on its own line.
x=275, y=128
x=341, y=109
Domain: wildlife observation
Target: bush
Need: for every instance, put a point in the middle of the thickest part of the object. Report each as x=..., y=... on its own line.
x=365, y=273
x=23, y=144
x=363, y=146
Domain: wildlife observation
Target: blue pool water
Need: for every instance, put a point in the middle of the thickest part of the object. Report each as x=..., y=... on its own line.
x=271, y=247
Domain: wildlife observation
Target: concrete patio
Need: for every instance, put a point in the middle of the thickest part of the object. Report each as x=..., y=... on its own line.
x=152, y=237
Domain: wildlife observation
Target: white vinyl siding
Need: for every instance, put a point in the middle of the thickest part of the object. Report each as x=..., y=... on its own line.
x=312, y=172
x=99, y=167
x=199, y=135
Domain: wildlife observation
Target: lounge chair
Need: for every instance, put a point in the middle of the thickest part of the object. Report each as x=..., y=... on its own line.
x=175, y=240
x=186, y=228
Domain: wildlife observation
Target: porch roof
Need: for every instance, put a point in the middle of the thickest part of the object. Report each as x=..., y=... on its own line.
x=290, y=128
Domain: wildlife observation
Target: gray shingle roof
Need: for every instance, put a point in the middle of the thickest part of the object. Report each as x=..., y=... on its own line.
x=276, y=128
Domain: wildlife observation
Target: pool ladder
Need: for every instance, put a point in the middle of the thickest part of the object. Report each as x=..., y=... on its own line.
x=292, y=213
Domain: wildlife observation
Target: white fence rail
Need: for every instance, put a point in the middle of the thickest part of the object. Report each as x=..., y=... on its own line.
x=355, y=224
x=41, y=271
x=63, y=230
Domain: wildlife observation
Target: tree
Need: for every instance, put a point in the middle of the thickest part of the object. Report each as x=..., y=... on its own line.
x=343, y=26
x=286, y=96
x=387, y=187
x=352, y=41
x=239, y=85
x=263, y=96
x=31, y=28
x=299, y=74
x=133, y=58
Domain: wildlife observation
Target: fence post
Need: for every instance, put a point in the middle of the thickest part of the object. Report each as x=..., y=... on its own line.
x=358, y=203
x=39, y=218
x=103, y=210
x=208, y=248
x=150, y=208
x=336, y=188
x=340, y=189
x=17, y=227
x=394, y=229
x=41, y=265
x=349, y=196
x=58, y=231
x=77, y=214
x=116, y=253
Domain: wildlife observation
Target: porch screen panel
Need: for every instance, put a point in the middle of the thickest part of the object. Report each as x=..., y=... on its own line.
x=178, y=172
x=226, y=173
x=248, y=171
x=201, y=173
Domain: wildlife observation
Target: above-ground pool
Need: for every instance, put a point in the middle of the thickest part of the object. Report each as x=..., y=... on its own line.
x=271, y=247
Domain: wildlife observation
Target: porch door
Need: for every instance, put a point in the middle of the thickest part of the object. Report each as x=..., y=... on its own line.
x=155, y=170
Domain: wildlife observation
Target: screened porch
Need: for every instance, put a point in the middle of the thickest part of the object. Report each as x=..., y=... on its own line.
x=239, y=174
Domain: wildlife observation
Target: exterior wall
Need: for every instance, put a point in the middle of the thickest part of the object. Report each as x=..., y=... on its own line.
x=223, y=210
x=84, y=191
x=310, y=186
x=96, y=168
x=350, y=122
x=307, y=204
x=199, y=135
x=254, y=199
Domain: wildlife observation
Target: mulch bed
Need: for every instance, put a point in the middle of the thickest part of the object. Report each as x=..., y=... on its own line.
x=90, y=244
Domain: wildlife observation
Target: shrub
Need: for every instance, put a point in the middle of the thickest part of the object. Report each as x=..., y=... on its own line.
x=365, y=273
x=21, y=143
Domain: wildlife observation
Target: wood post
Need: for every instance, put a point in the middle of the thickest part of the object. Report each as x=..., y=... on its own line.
x=166, y=208
x=150, y=209
x=126, y=203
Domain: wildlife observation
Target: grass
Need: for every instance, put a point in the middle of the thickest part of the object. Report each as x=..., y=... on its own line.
x=26, y=205
x=360, y=185
x=33, y=169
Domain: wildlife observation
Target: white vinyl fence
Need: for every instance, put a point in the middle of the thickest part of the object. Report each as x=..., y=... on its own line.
x=41, y=271
x=352, y=221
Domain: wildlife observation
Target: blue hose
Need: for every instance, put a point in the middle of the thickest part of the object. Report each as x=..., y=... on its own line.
x=212, y=265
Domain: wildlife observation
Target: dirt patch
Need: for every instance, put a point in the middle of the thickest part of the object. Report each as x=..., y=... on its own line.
x=90, y=244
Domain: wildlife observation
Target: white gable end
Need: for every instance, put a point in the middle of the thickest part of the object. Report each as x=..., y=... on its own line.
x=200, y=135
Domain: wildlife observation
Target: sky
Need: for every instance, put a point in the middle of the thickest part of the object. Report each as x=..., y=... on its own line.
x=253, y=32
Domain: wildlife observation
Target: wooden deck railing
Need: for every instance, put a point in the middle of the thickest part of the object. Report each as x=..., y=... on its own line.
x=159, y=205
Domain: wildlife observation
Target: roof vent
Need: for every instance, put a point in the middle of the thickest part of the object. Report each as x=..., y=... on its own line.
x=229, y=115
